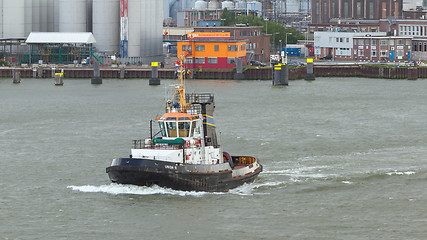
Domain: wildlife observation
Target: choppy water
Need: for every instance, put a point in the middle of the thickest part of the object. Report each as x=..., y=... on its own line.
x=343, y=159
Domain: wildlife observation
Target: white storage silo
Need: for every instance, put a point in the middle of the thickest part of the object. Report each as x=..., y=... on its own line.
x=89, y=17
x=72, y=16
x=292, y=6
x=36, y=16
x=151, y=30
x=43, y=15
x=56, y=16
x=213, y=5
x=239, y=5
x=227, y=4
x=1, y=19
x=134, y=24
x=106, y=25
x=28, y=17
x=255, y=6
x=201, y=5
x=50, y=15
x=14, y=19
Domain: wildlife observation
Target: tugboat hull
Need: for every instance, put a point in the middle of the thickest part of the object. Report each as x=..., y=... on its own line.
x=186, y=177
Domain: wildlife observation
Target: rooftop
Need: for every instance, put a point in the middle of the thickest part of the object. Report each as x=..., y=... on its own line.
x=61, y=37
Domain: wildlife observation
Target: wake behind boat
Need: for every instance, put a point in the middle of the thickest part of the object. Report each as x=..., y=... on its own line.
x=187, y=155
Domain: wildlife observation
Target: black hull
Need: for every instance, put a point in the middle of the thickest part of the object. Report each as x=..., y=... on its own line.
x=146, y=172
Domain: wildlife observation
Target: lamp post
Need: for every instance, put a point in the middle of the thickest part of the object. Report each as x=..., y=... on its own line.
x=274, y=42
x=286, y=47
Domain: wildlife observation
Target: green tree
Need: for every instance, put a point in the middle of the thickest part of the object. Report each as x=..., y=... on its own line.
x=278, y=29
x=227, y=18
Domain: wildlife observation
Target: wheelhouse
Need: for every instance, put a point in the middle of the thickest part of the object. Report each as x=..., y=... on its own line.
x=174, y=125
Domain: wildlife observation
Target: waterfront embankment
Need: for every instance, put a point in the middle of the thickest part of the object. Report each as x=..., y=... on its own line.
x=253, y=73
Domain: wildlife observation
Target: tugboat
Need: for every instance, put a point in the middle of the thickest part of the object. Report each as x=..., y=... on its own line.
x=186, y=156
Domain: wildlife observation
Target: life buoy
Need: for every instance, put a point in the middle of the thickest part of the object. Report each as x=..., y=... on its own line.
x=188, y=143
x=228, y=158
x=198, y=143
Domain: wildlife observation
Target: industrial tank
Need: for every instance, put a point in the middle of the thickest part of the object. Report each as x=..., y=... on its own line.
x=14, y=19
x=134, y=24
x=213, y=5
x=28, y=17
x=227, y=4
x=106, y=25
x=50, y=16
x=43, y=15
x=201, y=5
x=35, y=16
x=255, y=6
x=72, y=16
x=292, y=6
x=151, y=30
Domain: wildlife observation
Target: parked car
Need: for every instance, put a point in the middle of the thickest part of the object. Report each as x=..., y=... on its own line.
x=327, y=57
x=257, y=63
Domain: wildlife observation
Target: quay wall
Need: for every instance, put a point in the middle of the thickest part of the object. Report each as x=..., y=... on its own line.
x=356, y=70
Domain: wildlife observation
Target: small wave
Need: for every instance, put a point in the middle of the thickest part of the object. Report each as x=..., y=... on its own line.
x=401, y=173
x=117, y=189
x=7, y=131
x=249, y=188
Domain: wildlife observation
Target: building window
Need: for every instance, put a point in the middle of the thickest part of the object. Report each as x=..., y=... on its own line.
x=188, y=61
x=242, y=47
x=200, y=60
x=371, y=10
x=359, y=9
x=392, y=42
x=346, y=10
x=374, y=41
x=200, y=48
x=212, y=60
x=232, y=48
x=374, y=53
x=361, y=42
x=231, y=60
x=383, y=42
x=384, y=53
x=216, y=48
x=400, y=42
x=361, y=53
x=333, y=10
x=186, y=48
x=317, y=12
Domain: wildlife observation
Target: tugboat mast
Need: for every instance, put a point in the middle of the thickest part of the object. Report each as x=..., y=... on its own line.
x=180, y=88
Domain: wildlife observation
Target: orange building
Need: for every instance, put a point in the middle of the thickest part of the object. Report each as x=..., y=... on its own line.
x=211, y=50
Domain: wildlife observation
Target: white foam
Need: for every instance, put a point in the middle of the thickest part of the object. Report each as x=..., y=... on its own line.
x=400, y=173
x=116, y=189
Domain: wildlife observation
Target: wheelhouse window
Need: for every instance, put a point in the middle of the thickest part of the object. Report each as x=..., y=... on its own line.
x=171, y=129
x=162, y=129
x=184, y=129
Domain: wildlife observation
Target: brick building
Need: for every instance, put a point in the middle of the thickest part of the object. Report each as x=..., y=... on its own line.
x=387, y=48
x=211, y=51
x=338, y=13
x=257, y=43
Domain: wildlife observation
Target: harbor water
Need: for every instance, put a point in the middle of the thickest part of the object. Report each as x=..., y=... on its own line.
x=343, y=159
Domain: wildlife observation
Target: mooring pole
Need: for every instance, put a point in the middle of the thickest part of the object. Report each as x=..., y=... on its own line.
x=96, y=74
x=310, y=73
x=154, y=80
